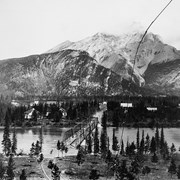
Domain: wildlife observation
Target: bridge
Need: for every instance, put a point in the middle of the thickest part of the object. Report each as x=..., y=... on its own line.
x=76, y=135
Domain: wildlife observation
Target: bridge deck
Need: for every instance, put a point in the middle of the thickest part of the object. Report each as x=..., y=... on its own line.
x=78, y=133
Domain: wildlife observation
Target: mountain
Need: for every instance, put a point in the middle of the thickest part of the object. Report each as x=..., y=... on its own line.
x=99, y=65
x=117, y=53
x=67, y=72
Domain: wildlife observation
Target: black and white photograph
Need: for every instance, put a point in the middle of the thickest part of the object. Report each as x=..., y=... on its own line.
x=89, y=89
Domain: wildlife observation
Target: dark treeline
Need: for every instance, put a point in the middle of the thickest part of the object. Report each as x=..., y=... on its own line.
x=54, y=112
x=167, y=113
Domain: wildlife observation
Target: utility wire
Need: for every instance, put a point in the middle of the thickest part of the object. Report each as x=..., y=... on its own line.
x=145, y=35
x=136, y=57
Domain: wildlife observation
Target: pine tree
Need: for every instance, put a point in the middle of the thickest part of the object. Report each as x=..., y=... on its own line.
x=146, y=170
x=147, y=143
x=122, y=148
x=96, y=141
x=109, y=156
x=55, y=172
x=132, y=148
x=6, y=142
x=14, y=142
x=2, y=169
x=142, y=143
x=154, y=158
x=135, y=167
x=162, y=139
x=121, y=170
x=58, y=147
x=41, y=158
x=178, y=172
x=37, y=148
x=173, y=149
x=94, y=174
x=103, y=145
x=165, y=151
x=23, y=175
x=153, y=145
x=157, y=137
x=114, y=142
x=127, y=148
x=10, y=168
x=80, y=156
x=32, y=150
x=104, y=120
x=172, y=167
x=89, y=144
x=41, y=137
x=137, y=140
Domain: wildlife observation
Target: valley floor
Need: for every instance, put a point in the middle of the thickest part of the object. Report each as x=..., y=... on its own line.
x=68, y=164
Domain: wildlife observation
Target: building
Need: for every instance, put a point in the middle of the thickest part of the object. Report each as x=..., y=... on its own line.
x=31, y=114
x=126, y=105
x=15, y=103
x=151, y=108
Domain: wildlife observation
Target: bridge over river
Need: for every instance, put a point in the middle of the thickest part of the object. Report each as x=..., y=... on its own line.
x=76, y=135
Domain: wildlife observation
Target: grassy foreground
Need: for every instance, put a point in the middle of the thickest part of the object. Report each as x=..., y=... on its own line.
x=68, y=164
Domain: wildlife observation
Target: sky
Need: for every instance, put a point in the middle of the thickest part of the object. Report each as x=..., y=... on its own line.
x=34, y=26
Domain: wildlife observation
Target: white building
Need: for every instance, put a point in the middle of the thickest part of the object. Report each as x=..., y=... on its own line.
x=126, y=105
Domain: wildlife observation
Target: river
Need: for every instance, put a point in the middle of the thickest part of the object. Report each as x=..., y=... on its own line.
x=50, y=136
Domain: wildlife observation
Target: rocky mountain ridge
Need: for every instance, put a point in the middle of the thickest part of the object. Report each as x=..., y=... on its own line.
x=99, y=65
x=64, y=73
x=117, y=53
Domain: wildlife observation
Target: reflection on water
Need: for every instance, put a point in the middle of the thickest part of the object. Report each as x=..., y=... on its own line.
x=49, y=137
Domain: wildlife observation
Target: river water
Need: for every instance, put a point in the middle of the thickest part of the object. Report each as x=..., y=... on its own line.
x=50, y=136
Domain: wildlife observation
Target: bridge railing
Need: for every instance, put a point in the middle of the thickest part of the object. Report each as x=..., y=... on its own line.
x=79, y=132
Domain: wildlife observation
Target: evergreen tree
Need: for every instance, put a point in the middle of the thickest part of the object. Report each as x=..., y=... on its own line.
x=127, y=148
x=165, y=151
x=6, y=142
x=157, y=137
x=114, y=142
x=109, y=156
x=135, y=167
x=137, y=140
x=14, y=142
x=132, y=148
x=142, y=143
x=50, y=164
x=41, y=137
x=172, y=167
x=94, y=174
x=2, y=169
x=10, y=168
x=32, y=150
x=37, y=148
x=80, y=156
x=41, y=157
x=103, y=144
x=178, y=172
x=173, y=149
x=153, y=145
x=162, y=139
x=23, y=175
x=122, y=148
x=55, y=172
x=104, y=120
x=146, y=170
x=89, y=144
x=121, y=170
x=58, y=147
x=154, y=158
x=96, y=141
x=147, y=144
